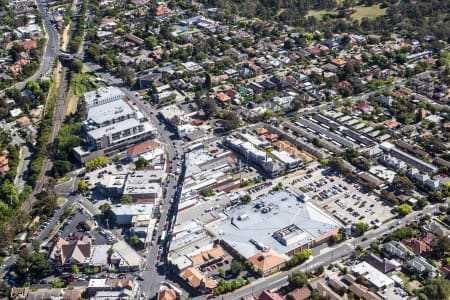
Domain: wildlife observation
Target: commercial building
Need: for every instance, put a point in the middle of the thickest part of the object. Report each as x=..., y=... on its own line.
x=113, y=184
x=126, y=288
x=144, y=185
x=278, y=221
x=258, y=157
x=107, y=114
x=124, y=213
x=102, y=95
x=147, y=150
x=112, y=125
x=125, y=258
x=120, y=134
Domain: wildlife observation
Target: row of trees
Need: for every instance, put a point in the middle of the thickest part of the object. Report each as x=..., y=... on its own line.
x=97, y=162
x=78, y=31
x=224, y=286
x=298, y=258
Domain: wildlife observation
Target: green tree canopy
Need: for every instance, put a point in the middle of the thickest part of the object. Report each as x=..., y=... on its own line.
x=297, y=279
x=404, y=209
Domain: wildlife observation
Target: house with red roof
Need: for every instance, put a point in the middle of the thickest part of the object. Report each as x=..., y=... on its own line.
x=427, y=237
x=364, y=107
x=419, y=247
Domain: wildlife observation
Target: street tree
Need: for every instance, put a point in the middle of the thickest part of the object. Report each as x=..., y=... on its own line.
x=297, y=279
x=403, y=184
x=126, y=199
x=134, y=239
x=82, y=185
x=75, y=269
x=404, y=209
x=361, y=227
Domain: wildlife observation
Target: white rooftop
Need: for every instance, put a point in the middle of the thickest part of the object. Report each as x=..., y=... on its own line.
x=276, y=211
x=375, y=277
x=113, y=110
x=132, y=209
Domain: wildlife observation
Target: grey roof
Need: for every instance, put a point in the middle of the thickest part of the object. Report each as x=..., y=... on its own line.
x=113, y=110
x=132, y=209
x=143, y=182
x=103, y=95
x=118, y=127
x=247, y=222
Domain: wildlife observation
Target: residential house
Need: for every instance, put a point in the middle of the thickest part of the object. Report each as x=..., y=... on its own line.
x=268, y=295
x=397, y=249
x=64, y=253
x=324, y=290
x=4, y=160
x=362, y=292
x=134, y=39
x=299, y=294
x=419, y=247
x=197, y=280
x=427, y=237
x=365, y=108
x=381, y=264
x=223, y=98
x=386, y=100
x=420, y=265
x=239, y=56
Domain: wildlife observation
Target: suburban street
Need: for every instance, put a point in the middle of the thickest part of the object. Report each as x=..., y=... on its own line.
x=51, y=50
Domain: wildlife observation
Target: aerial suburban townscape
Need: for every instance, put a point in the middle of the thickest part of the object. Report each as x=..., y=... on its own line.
x=239, y=150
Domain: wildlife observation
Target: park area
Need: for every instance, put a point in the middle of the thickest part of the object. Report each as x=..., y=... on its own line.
x=370, y=12
x=359, y=12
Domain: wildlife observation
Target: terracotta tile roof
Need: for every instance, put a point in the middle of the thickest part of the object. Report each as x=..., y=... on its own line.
x=29, y=44
x=72, y=294
x=427, y=237
x=299, y=294
x=268, y=295
x=338, y=62
x=418, y=247
x=261, y=131
x=162, y=10
x=266, y=260
x=143, y=147
x=222, y=97
x=122, y=283
x=195, y=278
x=365, y=107
x=4, y=162
x=169, y=294
x=206, y=256
x=287, y=148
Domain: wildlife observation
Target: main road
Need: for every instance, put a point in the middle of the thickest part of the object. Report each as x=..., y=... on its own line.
x=153, y=275
x=51, y=49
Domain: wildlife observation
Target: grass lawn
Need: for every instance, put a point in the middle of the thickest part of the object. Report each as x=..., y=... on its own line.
x=370, y=12
x=404, y=277
x=61, y=200
x=318, y=14
x=62, y=179
x=81, y=83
